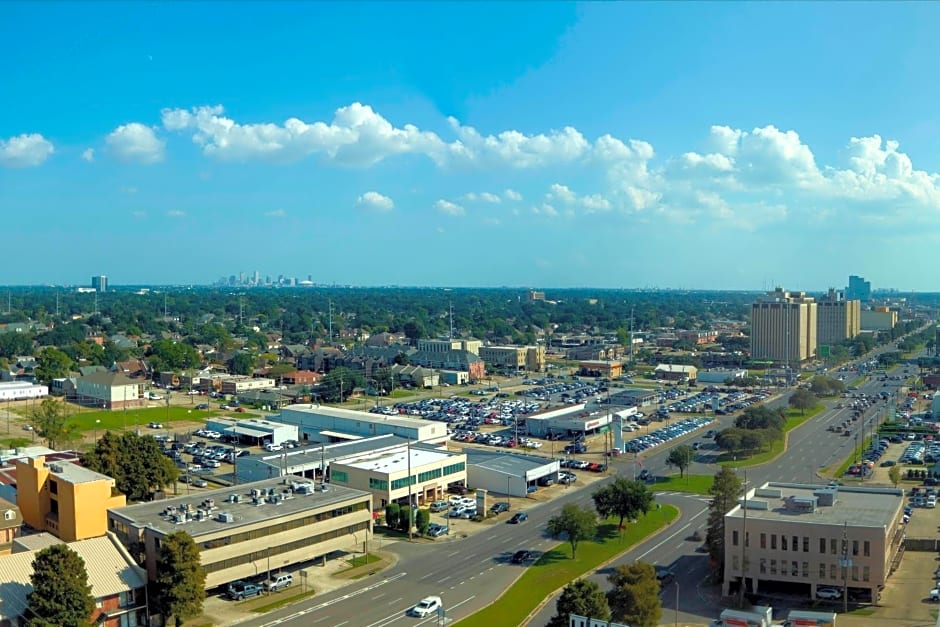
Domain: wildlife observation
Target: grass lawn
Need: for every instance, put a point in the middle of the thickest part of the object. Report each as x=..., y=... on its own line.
x=282, y=601
x=119, y=419
x=400, y=394
x=696, y=484
x=794, y=420
x=362, y=560
x=555, y=568
x=856, y=453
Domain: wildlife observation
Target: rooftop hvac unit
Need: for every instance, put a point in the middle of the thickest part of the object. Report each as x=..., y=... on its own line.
x=200, y=515
x=225, y=517
x=255, y=492
x=56, y=468
x=257, y=500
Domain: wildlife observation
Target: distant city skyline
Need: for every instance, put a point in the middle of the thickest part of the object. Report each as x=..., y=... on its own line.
x=613, y=145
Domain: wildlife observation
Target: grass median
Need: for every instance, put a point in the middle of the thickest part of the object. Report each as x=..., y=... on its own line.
x=694, y=484
x=555, y=568
x=778, y=446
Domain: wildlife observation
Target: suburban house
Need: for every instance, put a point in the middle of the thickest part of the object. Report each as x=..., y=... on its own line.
x=117, y=583
x=11, y=521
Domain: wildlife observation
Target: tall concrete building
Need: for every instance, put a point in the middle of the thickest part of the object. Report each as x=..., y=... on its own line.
x=783, y=327
x=858, y=289
x=99, y=283
x=838, y=319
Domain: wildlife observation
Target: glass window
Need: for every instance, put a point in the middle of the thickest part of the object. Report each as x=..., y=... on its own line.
x=795, y=568
x=822, y=546
x=855, y=573
x=340, y=476
x=806, y=569
x=763, y=565
x=833, y=546
x=822, y=571
x=747, y=538
x=783, y=543
x=378, y=484
x=832, y=572
x=773, y=567
x=773, y=541
x=734, y=537
x=795, y=546
x=866, y=549
x=763, y=541
x=854, y=547
x=866, y=573
x=806, y=544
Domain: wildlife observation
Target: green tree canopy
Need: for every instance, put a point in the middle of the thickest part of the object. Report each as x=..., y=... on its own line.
x=61, y=595
x=581, y=597
x=623, y=498
x=53, y=424
x=575, y=523
x=725, y=491
x=136, y=463
x=180, y=583
x=52, y=363
x=681, y=457
x=822, y=385
x=167, y=355
x=802, y=399
x=634, y=598
x=338, y=384
x=242, y=362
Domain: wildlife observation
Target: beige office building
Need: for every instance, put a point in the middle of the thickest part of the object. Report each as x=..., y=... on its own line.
x=837, y=319
x=879, y=319
x=250, y=529
x=385, y=474
x=783, y=327
x=813, y=536
x=445, y=345
x=527, y=358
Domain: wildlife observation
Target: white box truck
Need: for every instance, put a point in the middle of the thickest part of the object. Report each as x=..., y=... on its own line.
x=757, y=616
x=800, y=618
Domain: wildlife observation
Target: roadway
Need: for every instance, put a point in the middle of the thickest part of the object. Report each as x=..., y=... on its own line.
x=470, y=573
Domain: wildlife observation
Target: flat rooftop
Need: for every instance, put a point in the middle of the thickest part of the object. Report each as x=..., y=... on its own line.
x=396, y=460
x=508, y=463
x=314, y=454
x=159, y=514
x=350, y=414
x=73, y=473
x=857, y=506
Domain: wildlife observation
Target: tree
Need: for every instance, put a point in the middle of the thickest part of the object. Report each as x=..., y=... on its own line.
x=894, y=474
x=338, y=384
x=576, y=523
x=622, y=498
x=803, y=399
x=52, y=364
x=634, y=598
x=136, y=463
x=681, y=457
x=61, y=594
x=180, y=582
x=406, y=517
x=582, y=598
x=729, y=439
x=52, y=423
x=422, y=521
x=242, y=363
x=392, y=514
x=725, y=490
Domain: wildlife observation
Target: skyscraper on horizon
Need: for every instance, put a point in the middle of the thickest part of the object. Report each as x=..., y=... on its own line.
x=858, y=289
x=99, y=283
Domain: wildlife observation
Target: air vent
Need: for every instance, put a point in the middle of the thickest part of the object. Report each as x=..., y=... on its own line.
x=225, y=517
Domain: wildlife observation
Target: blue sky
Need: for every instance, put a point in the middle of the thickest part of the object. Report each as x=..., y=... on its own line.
x=685, y=145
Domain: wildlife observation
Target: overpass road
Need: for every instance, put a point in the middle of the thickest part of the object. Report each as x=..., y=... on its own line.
x=471, y=572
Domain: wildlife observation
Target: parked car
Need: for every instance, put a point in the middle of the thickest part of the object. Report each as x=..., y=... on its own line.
x=426, y=607
x=279, y=582
x=202, y=406
x=271, y=447
x=238, y=590
x=155, y=425
x=498, y=508
x=199, y=483
x=436, y=530
x=439, y=506
x=828, y=593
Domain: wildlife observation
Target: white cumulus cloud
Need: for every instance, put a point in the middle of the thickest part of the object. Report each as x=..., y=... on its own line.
x=450, y=208
x=563, y=194
x=513, y=195
x=26, y=150
x=376, y=201
x=136, y=142
x=88, y=155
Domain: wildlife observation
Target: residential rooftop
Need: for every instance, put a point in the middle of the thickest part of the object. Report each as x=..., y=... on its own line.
x=213, y=511
x=807, y=503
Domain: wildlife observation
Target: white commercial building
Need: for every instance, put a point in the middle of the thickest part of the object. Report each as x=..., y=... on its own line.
x=254, y=430
x=508, y=473
x=319, y=423
x=720, y=376
x=21, y=390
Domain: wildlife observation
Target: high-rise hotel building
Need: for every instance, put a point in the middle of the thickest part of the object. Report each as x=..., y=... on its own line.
x=838, y=319
x=783, y=327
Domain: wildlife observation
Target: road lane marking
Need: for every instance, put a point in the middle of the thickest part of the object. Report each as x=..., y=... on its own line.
x=395, y=601
x=320, y=606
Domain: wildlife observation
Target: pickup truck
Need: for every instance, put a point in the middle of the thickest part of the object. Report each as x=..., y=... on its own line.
x=238, y=590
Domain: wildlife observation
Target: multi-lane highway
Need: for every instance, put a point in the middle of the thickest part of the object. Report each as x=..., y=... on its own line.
x=469, y=573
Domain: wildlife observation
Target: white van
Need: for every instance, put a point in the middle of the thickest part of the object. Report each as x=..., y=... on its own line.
x=278, y=582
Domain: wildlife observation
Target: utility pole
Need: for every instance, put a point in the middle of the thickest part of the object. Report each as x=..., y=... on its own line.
x=331, y=320
x=846, y=563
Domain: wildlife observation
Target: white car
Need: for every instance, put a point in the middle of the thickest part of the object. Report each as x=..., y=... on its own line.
x=271, y=448
x=828, y=593
x=426, y=607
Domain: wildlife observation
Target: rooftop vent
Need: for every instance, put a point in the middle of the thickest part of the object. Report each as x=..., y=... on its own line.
x=801, y=504
x=773, y=493
x=56, y=468
x=225, y=517
x=826, y=497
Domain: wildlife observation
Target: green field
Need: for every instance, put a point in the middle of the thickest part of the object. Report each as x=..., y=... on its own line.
x=794, y=420
x=555, y=568
x=116, y=420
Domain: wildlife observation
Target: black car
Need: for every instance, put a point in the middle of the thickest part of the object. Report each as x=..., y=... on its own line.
x=498, y=508
x=518, y=517
x=520, y=557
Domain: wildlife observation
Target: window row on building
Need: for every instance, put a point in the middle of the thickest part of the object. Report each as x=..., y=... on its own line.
x=794, y=543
